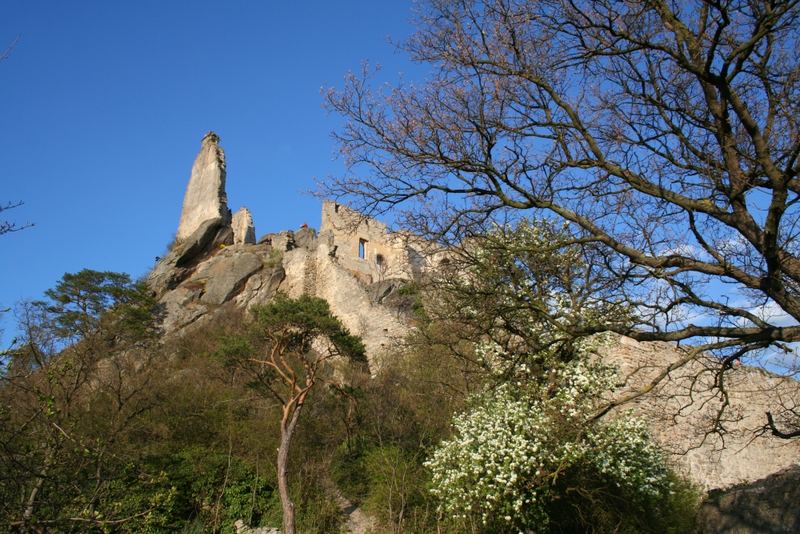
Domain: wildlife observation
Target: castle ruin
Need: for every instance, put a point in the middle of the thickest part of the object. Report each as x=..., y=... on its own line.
x=353, y=262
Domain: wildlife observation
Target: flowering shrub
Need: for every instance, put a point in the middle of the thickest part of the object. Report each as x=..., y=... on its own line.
x=528, y=455
x=517, y=452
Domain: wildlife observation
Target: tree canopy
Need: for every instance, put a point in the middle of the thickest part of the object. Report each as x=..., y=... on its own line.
x=664, y=133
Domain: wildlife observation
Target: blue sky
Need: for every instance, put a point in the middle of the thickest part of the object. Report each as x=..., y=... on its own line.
x=104, y=105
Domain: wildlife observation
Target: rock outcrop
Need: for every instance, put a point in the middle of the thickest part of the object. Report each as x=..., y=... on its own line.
x=770, y=505
x=244, y=231
x=205, y=197
x=186, y=253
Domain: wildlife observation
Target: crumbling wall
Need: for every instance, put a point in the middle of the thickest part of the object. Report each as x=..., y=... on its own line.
x=366, y=247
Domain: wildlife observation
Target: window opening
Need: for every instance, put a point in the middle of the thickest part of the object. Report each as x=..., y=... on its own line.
x=362, y=248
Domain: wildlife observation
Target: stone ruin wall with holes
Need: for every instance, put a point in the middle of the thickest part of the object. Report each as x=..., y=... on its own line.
x=367, y=248
x=217, y=265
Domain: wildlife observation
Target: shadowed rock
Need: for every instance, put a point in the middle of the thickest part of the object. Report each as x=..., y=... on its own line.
x=176, y=266
x=767, y=505
x=205, y=197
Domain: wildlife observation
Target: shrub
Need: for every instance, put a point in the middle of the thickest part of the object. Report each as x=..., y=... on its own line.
x=520, y=459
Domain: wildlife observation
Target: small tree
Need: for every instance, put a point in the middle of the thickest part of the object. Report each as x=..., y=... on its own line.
x=287, y=353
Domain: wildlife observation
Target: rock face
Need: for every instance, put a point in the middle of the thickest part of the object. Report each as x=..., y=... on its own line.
x=767, y=505
x=205, y=197
x=176, y=265
x=244, y=231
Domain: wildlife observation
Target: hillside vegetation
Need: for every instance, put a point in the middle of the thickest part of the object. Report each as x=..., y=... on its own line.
x=482, y=420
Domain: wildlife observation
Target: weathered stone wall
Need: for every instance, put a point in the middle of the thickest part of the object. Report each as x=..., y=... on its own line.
x=685, y=406
x=387, y=255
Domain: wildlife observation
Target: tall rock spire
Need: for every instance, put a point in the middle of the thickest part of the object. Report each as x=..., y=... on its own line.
x=205, y=197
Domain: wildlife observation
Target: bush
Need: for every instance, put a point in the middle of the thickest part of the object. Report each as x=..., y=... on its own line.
x=517, y=462
x=396, y=480
x=191, y=486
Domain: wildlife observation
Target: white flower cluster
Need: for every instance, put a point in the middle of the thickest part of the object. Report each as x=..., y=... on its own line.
x=502, y=463
x=491, y=466
x=579, y=385
x=624, y=452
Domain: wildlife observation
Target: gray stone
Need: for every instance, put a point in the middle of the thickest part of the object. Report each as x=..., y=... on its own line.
x=209, y=236
x=391, y=294
x=261, y=286
x=205, y=195
x=226, y=276
x=280, y=241
x=767, y=505
x=244, y=232
x=242, y=528
x=176, y=266
x=306, y=238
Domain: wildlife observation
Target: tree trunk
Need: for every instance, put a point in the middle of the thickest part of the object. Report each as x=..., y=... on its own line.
x=287, y=430
x=30, y=503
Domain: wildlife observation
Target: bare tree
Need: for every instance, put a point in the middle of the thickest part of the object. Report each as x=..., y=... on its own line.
x=10, y=226
x=664, y=131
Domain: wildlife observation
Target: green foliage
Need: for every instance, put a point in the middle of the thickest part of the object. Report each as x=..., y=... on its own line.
x=397, y=482
x=304, y=319
x=71, y=392
x=80, y=300
x=400, y=414
x=169, y=493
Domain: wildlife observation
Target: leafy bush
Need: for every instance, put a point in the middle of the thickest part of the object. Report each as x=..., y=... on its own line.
x=194, y=485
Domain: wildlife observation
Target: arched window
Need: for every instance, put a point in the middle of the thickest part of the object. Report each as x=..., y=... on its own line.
x=380, y=260
x=362, y=248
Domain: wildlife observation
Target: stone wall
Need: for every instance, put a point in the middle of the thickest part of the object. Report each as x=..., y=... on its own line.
x=386, y=255
x=684, y=408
